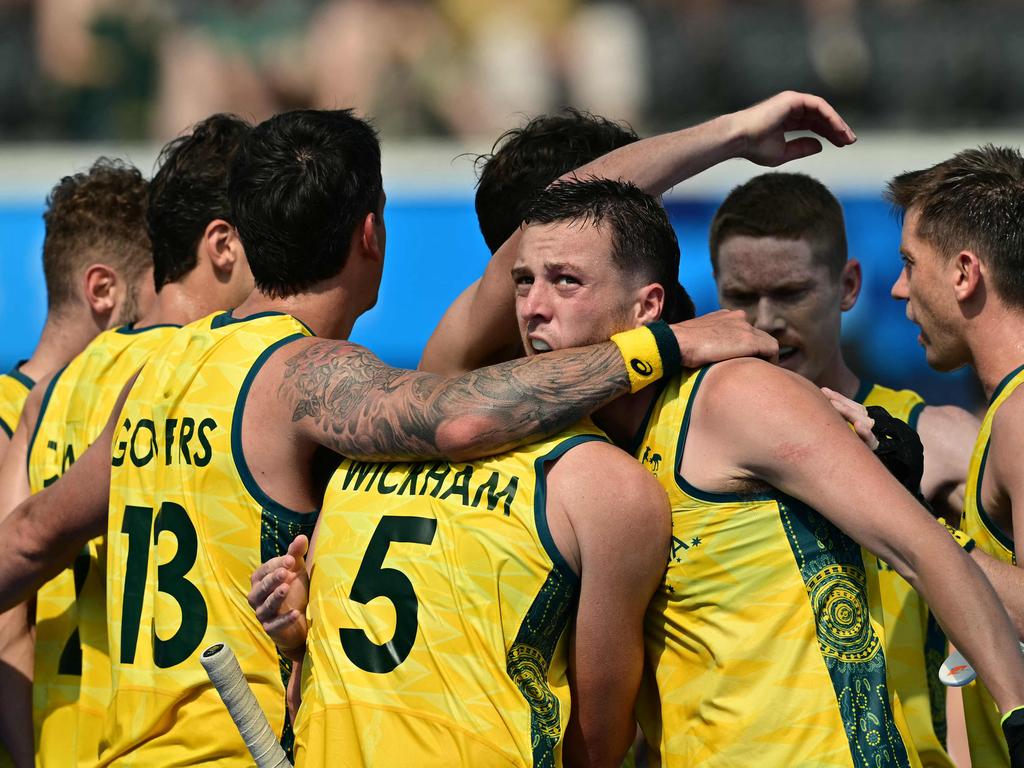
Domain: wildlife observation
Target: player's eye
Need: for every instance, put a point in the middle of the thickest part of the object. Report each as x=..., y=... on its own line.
x=738, y=299
x=791, y=294
x=566, y=280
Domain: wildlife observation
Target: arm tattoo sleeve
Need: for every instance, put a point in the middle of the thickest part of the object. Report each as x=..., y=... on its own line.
x=358, y=406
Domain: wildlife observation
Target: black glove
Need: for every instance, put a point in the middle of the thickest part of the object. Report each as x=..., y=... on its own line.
x=1013, y=730
x=899, y=449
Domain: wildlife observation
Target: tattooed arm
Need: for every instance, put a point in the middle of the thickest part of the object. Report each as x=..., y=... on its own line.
x=343, y=397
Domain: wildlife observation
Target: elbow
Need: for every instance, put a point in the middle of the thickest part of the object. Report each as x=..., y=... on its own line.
x=470, y=436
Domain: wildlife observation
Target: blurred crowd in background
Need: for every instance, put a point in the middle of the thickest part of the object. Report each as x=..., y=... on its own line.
x=145, y=69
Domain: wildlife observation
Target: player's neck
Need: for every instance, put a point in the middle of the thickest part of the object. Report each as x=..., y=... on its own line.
x=180, y=304
x=329, y=311
x=622, y=418
x=996, y=345
x=838, y=377
x=62, y=338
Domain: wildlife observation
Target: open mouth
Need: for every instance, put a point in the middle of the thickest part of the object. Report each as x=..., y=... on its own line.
x=539, y=345
x=786, y=352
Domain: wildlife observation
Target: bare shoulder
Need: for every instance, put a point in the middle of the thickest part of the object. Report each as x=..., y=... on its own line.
x=602, y=477
x=748, y=384
x=951, y=421
x=1008, y=422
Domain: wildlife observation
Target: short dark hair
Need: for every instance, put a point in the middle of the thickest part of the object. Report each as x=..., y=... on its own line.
x=973, y=200
x=95, y=216
x=299, y=185
x=789, y=206
x=643, y=241
x=189, y=190
x=525, y=160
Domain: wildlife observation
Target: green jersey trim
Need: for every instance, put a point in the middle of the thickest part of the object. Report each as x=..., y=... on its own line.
x=42, y=412
x=986, y=521
x=130, y=329
x=540, y=500
x=914, y=415
x=687, y=487
x=1002, y=384
x=832, y=569
x=15, y=373
x=280, y=511
x=225, y=319
x=528, y=660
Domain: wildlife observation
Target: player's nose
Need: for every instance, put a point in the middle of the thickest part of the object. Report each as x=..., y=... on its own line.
x=535, y=303
x=765, y=317
x=899, y=290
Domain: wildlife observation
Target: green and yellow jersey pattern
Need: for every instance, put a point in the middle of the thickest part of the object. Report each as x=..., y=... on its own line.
x=71, y=688
x=187, y=526
x=14, y=389
x=437, y=616
x=914, y=643
x=984, y=733
x=760, y=648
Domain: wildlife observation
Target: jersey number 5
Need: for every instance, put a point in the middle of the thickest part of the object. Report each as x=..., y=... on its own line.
x=170, y=579
x=373, y=581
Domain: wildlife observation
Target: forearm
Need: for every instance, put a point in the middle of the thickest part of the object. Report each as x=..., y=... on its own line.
x=357, y=407
x=17, y=655
x=1008, y=582
x=971, y=613
x=660, y=162
x=36, y=550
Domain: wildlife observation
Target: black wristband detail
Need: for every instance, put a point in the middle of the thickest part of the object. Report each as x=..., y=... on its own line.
x=668, y=347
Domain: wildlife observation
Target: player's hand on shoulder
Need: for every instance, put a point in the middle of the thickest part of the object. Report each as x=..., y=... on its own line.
x=279, y=595
x=762, y=128
x=722, y=335
x=856, y=415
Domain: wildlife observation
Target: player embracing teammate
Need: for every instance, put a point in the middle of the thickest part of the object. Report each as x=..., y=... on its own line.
x=494, y=580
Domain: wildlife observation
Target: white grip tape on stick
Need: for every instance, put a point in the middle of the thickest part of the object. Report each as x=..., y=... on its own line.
x=225, y=674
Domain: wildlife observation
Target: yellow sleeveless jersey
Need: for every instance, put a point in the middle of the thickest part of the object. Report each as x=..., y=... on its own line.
x=437, y=616
x=71, y=688
x=760, y=646
x=188, y=524
x=914, y=643
x=984, y=733
x=14, y=389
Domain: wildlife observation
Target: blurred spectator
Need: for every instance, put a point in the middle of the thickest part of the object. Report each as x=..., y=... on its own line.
x=137, y=69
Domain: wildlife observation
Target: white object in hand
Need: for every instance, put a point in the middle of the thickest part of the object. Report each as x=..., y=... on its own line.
x=956, y=671
x=225, y=674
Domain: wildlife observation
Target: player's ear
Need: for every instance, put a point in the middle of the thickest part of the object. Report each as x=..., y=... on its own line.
x=372, y=236
x=850, y=281
x=650, y=303
x=967, y=275
x=222, y=246
x=102, y=288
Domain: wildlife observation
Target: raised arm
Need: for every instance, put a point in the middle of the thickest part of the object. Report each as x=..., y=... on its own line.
x=777, y=427
x=620, y=525
x=479, y=328
x=343, y=397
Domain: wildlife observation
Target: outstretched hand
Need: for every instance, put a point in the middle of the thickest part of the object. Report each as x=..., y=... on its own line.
x=722, y=335
x=763, y=128
x=279, y=595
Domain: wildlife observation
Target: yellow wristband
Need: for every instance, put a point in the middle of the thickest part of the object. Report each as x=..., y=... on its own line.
x=649, y=353
x=959, y=537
